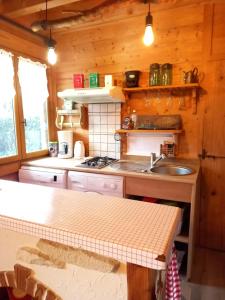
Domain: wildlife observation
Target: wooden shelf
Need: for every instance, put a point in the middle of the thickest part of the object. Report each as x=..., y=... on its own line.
x=169, y=131
x=162, y=87
x=67, y=112
x=193, y=87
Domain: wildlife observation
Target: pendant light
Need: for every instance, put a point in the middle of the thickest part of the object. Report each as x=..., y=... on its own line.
x=148, y=38
x=51, y=54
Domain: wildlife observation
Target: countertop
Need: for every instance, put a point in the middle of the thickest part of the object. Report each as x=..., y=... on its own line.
x=72, y=165
x=130, y=231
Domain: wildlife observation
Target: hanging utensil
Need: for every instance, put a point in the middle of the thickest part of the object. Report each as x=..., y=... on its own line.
x=169, y=103
x=182, y=105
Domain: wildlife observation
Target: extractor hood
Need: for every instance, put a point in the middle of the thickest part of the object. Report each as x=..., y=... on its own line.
x=112, y=94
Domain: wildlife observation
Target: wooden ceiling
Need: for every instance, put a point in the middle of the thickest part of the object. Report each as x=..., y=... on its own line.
x=63, y=15
x=26, y=12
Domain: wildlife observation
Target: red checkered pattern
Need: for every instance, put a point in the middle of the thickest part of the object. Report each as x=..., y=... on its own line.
x=173, y=286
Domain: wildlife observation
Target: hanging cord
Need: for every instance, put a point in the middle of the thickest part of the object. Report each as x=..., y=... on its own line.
x=46, y=11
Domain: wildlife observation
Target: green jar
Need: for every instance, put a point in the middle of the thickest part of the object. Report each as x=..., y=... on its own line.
x=93, y=80
x=154, y=75
x=166, y=74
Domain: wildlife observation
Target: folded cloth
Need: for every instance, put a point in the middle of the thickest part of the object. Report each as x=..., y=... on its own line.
x=173, y=284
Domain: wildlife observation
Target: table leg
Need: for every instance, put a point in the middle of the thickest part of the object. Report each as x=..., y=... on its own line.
x=140, y=282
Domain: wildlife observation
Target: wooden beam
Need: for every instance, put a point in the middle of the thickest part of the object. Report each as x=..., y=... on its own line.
x=16, y=9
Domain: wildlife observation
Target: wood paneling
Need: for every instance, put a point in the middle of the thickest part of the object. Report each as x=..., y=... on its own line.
x=116, y=47
x=187, y=34
x=214, y=20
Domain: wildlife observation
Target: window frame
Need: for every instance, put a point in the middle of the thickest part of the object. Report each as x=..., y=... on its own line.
x=18, y=113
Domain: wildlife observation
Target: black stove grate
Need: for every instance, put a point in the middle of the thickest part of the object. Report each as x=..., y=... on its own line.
x=97, y=162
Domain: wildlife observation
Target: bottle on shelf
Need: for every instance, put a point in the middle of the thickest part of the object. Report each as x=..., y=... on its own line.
x=133, y=117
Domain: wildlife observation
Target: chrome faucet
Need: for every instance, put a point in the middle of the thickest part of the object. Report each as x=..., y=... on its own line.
x=154, y=161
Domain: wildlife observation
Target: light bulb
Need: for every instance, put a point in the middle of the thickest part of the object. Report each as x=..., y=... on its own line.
x=52, y=56
x=148, y=38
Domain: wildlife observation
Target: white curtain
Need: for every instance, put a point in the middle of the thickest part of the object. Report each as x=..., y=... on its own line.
x=33, y=82
x=34, y=89
x=7, y=91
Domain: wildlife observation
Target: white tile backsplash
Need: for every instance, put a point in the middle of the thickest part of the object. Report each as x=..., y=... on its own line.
x=96, y=108
x=104, y=108
x=104, y=147
x=104, y=119
x=111, y=107
x=112, y=120
x=97, y=138
x=104, y=138
x=96, y=120
x=111, y=138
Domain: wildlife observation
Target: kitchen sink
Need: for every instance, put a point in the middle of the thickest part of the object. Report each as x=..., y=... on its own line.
x=172, y=170
x=164, y=169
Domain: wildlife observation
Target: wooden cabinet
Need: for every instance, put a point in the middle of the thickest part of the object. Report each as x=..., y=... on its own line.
x=169, y=190
x=98, y=183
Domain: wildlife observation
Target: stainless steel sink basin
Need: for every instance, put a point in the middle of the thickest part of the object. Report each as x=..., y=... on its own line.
x=128, y=166
x=172, y=170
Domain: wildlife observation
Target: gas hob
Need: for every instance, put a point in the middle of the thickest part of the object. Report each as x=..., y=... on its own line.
x=97, y=162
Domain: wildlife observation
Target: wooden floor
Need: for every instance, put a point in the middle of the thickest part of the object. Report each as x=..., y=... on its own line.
x=208, y=277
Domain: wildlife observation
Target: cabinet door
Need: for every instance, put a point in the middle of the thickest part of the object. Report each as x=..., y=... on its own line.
x=99, y=183
x=77, y=181
x=212, y=211
x=212, y=205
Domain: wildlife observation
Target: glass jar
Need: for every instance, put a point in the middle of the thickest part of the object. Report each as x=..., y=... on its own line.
x=166, y=74
x=154, y=78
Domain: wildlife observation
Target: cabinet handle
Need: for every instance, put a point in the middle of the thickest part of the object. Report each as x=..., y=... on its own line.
x=113, y=186
x=24, y=122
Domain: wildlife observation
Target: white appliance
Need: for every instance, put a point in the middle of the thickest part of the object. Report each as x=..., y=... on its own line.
x=93, y=95
x=96, y=183
x=65, y=139
x=79, y=150
x=43, y=176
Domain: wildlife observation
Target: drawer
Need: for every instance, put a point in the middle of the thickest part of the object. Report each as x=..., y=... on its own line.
x=161, y=189
x=53, y=178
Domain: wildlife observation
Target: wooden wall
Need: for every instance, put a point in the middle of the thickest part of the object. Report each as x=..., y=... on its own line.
x=187, y=34
x=116, y=46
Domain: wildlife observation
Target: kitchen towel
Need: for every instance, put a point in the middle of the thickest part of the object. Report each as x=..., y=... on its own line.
x=173, y=284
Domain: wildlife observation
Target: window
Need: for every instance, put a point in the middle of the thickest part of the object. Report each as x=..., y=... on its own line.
x=8, y=140
x=23, y=100
x=34, y=90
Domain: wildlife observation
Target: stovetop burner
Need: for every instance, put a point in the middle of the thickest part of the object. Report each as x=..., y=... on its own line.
x=97, y=162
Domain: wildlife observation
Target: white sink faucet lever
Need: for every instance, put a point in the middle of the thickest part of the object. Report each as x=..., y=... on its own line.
x=154, y=161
